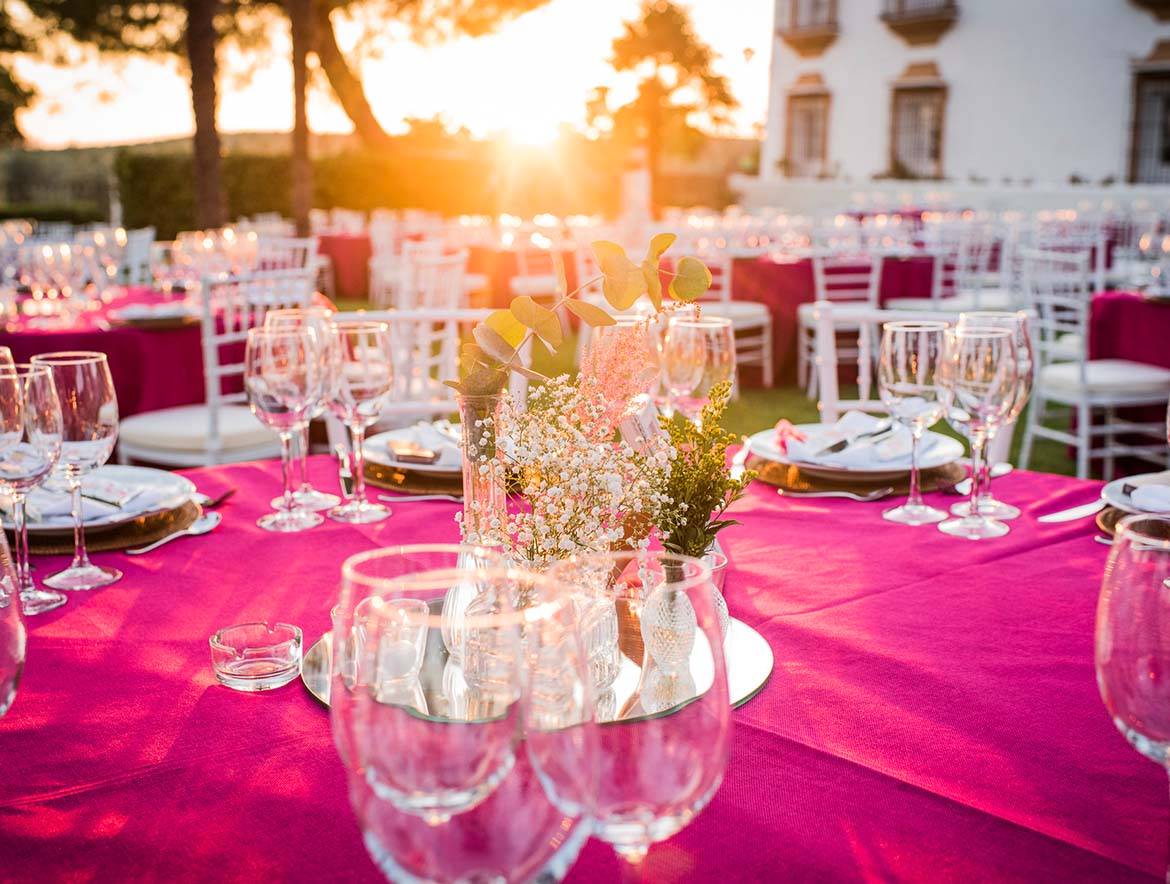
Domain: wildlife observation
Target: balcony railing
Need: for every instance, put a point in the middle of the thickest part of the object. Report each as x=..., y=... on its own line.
x=1159, y=8
x=920, y=21
x=811, y=26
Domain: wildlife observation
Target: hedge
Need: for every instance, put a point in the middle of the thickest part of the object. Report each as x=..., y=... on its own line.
x=156, y=190
x=73, y=213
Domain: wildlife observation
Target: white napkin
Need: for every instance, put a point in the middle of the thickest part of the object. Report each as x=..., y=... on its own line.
x=427, y=436
x=49, y=506
x=163, y=310
x=892, y=450
x=1152, y=498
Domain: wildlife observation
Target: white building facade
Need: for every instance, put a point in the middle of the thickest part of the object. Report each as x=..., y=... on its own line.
x=983, y=92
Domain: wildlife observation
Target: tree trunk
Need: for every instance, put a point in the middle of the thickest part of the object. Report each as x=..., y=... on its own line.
x=657, y=95
x=201, y=45
x=300, y=14
x=345, y=83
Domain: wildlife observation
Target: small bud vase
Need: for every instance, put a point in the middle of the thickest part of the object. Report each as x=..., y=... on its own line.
x=484, y=499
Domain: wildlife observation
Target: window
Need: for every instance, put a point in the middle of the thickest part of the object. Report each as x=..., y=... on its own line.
x=807, y=135
x=1150, y=163
x=809, y=14
x=916, y=145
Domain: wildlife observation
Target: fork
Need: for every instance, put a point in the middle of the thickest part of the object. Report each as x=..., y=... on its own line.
x=868, y=497
x=840, y=445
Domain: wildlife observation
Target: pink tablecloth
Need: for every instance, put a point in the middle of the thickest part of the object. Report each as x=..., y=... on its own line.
x=350, y=254
x=784, y=286
x=933, y=714
x=152, y=368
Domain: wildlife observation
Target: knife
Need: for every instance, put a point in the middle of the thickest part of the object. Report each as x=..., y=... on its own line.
x=1076, y=512
x=344, y=472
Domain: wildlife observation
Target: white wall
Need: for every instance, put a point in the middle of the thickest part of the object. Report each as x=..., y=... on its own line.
x=1038, y=89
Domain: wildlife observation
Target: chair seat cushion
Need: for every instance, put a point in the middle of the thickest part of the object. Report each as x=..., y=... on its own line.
x=1106, y=376
x=185, y=429
x=743, y=314
x=849, y=311
x=533, y=285
x=1069, y=346
x=475, y=282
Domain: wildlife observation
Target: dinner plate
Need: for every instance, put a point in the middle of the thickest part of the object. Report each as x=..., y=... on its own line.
x=942, y=450
x=1114, y=493
x=377, y=450
x=169, y=491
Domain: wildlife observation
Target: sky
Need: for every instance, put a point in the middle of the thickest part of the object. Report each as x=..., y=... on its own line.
x=525, y=80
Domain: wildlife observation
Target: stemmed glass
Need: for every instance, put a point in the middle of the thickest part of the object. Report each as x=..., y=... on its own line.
x=1017, y=323
x=317, y=319
x=1132, y=641
x=662, y=758
x=282, y=376
x=494, y=787
x=911, y=355
x=12, y=632
x=30, y=444
x=978, y=380
x=89, y=419
x=697, y=354
x=360, y=385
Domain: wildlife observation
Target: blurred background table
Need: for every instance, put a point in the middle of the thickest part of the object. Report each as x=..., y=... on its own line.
x=933, y=714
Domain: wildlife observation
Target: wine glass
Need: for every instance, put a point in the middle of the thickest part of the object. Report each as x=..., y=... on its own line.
x=1132, y=641
x=911, y=354
x=317, y=319
x=978, y=379
x=282, y=376
x=1017, y=323
x=30, y=444
x=360, y=386
x=12, y=633
x=487, y=780
x=662, y=756
x=697, y=354
x=89, y=419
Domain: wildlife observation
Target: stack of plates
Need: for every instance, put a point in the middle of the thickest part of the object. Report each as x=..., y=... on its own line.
x=169, y=314
x=383, y=468
x=1120, y=494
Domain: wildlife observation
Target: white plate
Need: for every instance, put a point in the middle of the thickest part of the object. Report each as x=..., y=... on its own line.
x=1115, y=497
x=175, y=491
x=377, y=450
x=943, y=450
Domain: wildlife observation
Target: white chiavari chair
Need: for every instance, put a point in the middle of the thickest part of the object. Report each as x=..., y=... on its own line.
x=222, y=429
x=1059, y=286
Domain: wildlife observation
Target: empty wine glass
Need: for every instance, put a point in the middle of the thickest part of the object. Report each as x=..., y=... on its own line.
x=360, y=379
x=697, y=354
x=1017, y=323
x=282, y=377
x=89, y=420
x=978, y=379
x=911, y=354
x=12, y=633
x=30, y=444
x=663, y=756
x=317, y=319
x=1132, y=641
x=492, y=785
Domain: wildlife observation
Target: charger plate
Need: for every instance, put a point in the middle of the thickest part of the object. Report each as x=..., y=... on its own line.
x=793, y=478
x=139, y=532
x=412, y=481
x=635, y=694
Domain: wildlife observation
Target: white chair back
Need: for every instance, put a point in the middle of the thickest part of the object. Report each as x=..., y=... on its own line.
x=1058, y=287
x=285, y=253
x=848, y=277
x=231, y=306
x=136, y=257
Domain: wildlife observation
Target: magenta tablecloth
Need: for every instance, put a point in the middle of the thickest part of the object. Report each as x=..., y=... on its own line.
x=933, y=714
x=152, y=368
x=1126, y=325
x=350, y=254
x=784, y=285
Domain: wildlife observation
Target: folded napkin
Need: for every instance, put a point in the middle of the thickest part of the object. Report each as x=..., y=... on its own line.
x=1151, y=498
x=50, y=506
x=428, y=436
x=885, y=452
x=164, y=310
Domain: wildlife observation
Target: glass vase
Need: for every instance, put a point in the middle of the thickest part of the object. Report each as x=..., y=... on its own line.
x=484, y=499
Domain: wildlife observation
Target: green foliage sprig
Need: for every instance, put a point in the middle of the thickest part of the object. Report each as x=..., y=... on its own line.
x=485, y=363
x=700, y=488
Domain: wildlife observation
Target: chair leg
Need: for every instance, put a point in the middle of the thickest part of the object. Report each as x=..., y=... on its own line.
x=769, y=370
x=1110, y=441
x=802, y=357
x=1084, y=439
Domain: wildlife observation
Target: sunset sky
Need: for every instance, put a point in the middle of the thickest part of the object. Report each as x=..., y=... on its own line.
x=529, y=77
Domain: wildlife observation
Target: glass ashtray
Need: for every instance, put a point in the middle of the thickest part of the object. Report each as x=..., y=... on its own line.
x=256, y=656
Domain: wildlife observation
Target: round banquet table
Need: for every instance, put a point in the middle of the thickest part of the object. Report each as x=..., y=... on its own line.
x=152, y=368
x=932, y=716
x=1128, y=325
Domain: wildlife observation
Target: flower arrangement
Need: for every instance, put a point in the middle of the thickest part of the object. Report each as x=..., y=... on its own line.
x=699, y=488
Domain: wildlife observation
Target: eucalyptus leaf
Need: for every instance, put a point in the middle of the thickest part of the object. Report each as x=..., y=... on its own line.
x=691, y=281
x=589, y=313
x=538, y=318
